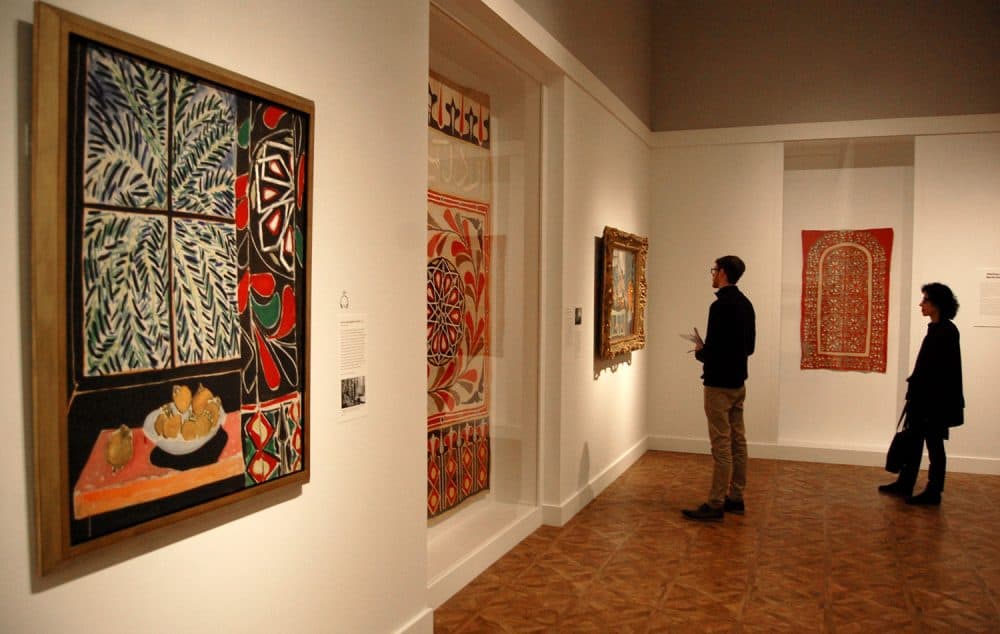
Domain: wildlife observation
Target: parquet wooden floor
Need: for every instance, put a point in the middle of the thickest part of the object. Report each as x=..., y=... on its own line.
x=819, y=550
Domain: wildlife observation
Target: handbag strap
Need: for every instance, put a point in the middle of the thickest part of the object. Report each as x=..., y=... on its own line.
x=902, y=415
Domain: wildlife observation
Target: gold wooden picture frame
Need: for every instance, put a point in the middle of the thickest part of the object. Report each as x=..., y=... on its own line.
x=170, y=276
x=623, y=293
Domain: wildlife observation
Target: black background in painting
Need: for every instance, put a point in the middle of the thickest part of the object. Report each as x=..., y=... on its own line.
x=292, y=130
x=92, y=412
x=92, y=527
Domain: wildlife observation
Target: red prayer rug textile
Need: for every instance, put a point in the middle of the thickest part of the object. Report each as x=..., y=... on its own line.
x=845, y=299
x=458, y=302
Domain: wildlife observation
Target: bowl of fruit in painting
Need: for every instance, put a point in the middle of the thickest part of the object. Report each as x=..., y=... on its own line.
x=187, y=422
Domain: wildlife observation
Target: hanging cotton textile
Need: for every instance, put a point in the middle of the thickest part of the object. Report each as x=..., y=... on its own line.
x=459, y=196
x=845, y=299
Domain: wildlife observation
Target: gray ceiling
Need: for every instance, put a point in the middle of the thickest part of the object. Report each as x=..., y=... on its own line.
x=689, y=64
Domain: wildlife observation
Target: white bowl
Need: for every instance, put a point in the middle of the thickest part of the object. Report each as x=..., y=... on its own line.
x=178, y=446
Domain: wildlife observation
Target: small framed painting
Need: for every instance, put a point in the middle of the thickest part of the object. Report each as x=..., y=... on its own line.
x=623, y=291
x=171, y=213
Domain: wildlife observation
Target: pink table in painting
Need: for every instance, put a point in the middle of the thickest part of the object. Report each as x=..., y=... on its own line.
x=100, y=490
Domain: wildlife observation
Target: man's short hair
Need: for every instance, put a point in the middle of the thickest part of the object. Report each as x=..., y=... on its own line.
x=733, y=266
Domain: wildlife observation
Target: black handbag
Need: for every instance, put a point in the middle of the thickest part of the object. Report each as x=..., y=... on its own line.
x=899, y=448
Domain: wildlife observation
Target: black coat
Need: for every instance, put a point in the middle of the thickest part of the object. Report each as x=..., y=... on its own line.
x=729, y=339
x=934, y=397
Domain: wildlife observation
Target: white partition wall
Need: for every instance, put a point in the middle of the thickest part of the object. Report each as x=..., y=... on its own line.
x=831, y=407
x=956, y=232
x=603, y=181
x=711, y=201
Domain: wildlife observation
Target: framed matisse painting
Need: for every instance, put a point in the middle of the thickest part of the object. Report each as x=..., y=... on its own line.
x=623, y=292
x=171, y=212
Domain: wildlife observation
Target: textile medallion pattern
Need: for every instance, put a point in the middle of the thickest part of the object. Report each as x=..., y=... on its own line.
x=458, y=301
x=845, y=299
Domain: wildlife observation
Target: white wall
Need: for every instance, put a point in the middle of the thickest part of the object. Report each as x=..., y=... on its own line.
x=711, y=201
x=829, y=407
x=604, y=182
x=347, y=553
x=956, y=229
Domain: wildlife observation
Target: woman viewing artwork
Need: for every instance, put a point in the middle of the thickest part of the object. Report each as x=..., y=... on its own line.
x=934, y=399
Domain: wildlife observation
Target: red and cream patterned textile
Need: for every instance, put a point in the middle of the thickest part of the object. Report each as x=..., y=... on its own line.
x=845, y=299
x=458, y=300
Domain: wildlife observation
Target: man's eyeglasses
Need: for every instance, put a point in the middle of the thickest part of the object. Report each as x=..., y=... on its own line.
x=713, y=270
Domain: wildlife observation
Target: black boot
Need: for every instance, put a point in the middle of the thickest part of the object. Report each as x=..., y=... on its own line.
x=704, y=513
x=930, y=497
x=896, y=488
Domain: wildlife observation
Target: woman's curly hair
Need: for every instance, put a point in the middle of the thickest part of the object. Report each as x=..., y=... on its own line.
x=942, y=297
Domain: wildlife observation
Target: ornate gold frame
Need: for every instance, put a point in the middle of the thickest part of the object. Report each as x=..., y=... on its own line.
x=615, y=345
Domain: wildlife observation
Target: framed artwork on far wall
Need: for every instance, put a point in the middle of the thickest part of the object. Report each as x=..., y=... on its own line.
x=170, y=249
x=623, y=293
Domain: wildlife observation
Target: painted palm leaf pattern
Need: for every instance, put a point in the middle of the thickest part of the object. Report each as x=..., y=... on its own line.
x=125, y=300
x=204, y=141
x=204, y=260
x=125, y=153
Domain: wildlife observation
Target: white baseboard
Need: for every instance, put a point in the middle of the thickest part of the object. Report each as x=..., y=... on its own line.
x=523, y=521
x=423, y=623
x=559, y=514
x=831, y=455
x=679, y=443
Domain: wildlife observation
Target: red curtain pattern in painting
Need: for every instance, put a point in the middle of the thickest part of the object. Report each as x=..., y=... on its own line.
x=845, y=299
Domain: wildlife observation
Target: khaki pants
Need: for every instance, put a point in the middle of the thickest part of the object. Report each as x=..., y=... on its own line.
x=724, y=410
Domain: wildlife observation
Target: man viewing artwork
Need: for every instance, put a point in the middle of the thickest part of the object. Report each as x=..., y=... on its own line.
x=729, y=341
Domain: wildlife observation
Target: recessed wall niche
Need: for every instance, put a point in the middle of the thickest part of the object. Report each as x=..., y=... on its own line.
x=844, y=184
x=515, y=142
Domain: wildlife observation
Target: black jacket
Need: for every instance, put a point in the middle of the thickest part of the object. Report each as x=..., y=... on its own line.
x=729, y=339
x=934, y=394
